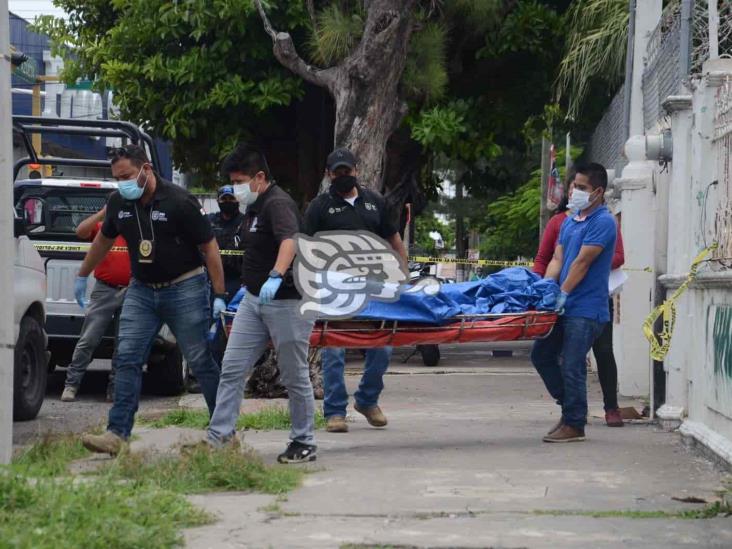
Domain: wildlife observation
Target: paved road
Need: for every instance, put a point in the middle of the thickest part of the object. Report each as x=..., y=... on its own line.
x=88, y=411
x=462, y=464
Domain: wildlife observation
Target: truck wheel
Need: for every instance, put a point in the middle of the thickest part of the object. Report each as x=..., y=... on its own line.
x=167, y=373
x=31, y=370
x=430, y=354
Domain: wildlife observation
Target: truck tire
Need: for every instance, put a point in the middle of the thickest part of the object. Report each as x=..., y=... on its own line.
x=430, y=354
x=31, y=370
x=167, y=373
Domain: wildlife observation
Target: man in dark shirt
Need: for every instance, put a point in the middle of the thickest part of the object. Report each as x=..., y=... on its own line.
x=169, y=238
x=226, y=225
x=348, y=206
x=270, y=308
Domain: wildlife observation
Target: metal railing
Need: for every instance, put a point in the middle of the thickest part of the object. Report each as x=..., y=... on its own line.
x=662, y=73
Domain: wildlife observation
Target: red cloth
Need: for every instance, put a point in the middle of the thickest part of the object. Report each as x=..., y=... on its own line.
x=549, y=242
x=114, y=269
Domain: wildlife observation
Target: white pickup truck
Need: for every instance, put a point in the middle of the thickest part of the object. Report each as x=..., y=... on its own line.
x=31, y=359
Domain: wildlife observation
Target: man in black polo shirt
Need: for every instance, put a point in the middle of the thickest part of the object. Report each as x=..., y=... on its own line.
x=348, y=206
x=169, y=238
x=226, y=225
x=270, y=308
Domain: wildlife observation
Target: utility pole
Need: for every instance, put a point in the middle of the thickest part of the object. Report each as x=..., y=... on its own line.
x=545, y=167
x=459, y=231
x=7, y=246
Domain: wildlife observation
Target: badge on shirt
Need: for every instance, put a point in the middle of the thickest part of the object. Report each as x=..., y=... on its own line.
x=146, y=251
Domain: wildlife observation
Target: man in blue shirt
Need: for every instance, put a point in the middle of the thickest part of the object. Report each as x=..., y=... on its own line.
x=581, y=264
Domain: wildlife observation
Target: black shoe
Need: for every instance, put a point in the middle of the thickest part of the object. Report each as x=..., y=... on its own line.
x=297, y=452
x=192, y=385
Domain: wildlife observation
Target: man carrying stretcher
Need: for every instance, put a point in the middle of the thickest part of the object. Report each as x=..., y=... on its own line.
x=348, y=206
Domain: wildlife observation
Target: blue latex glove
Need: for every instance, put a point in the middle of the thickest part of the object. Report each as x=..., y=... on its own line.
x=269, y=289
x=80, y=290
x=219, y=306
x=561, y=300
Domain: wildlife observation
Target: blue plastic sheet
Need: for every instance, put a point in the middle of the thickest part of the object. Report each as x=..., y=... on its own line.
x=512, y=290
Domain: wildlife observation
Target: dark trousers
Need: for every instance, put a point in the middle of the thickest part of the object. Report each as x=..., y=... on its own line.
x=607, y=370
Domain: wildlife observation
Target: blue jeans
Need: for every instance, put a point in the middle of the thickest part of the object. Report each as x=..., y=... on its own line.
x=185, y=308
x=566, y=379
x=254, y=325
x=334, y=383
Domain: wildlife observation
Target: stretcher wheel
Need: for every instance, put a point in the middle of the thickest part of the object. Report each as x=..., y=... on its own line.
x=430, y=354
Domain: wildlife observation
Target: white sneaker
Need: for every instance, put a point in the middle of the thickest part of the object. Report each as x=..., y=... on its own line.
x=69, y=394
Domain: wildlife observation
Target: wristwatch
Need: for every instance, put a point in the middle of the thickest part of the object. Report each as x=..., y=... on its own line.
x=224, y=296
x=275, y=274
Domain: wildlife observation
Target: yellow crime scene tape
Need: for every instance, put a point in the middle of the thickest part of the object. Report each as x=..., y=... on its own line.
x=490, y=262
x=47, y=247
x=660, y=343
x=85, y=248
x=499, y=263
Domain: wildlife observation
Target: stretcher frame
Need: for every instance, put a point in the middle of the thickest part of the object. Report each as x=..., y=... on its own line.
x=361, y=334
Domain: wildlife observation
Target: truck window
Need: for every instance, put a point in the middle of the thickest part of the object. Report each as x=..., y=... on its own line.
x=59, y=214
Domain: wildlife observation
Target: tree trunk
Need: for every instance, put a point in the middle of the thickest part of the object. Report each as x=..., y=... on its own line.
x=365, y=85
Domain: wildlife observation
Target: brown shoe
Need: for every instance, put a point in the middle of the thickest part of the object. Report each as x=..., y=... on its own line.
x=565, y=434
x=374, y=415
x=556, y=426
x=613, y=418
x=108, y=443
x=336, y=424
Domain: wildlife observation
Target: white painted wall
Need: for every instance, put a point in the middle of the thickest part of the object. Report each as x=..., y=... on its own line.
x=699, y=388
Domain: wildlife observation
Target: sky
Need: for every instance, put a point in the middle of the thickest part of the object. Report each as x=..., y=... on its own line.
x=29, y=9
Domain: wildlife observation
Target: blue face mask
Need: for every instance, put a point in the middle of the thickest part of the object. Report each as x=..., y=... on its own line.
x=129, y=189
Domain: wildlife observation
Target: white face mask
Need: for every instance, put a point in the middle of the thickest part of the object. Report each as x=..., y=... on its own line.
x=580, y=200
x=244, y=194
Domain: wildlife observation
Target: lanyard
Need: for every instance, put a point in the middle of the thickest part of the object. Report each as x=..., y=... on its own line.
x=139, y=225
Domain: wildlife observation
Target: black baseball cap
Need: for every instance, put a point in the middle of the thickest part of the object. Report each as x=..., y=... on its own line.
x=340, y=157
x=226, y=190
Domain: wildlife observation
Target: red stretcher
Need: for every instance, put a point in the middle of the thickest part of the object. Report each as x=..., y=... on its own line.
x=363, y=334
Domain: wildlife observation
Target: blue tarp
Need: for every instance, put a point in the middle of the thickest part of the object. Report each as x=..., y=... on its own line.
x=512, y=290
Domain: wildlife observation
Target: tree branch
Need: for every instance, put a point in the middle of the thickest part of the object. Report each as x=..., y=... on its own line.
x=285, y=52
x=313, y=17
x=382, y=24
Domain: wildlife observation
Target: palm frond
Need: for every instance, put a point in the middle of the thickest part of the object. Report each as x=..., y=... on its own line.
x=339, y=28
x=425, y=75
x=596, y=46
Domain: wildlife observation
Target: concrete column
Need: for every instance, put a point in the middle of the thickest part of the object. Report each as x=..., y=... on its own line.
x=7, y=247
x=637, y=203
x=678, y=107
x=647, y=16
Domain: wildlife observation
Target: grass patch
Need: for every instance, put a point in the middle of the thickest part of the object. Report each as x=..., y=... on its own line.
x=52, y=513
x=201, y=469
x=708, y=511
x=49, y=457
x=271, y=418
x=134, y=501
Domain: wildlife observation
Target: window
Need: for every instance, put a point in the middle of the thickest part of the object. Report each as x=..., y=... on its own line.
x=59, y=213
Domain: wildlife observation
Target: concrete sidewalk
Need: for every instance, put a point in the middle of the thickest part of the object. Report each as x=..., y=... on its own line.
x=462, y=464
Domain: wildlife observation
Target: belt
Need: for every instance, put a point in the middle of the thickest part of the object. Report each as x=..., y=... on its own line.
x=115, y=286
x=185, y=276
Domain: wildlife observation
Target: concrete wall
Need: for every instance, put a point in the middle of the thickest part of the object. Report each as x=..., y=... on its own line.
x=699, y=363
